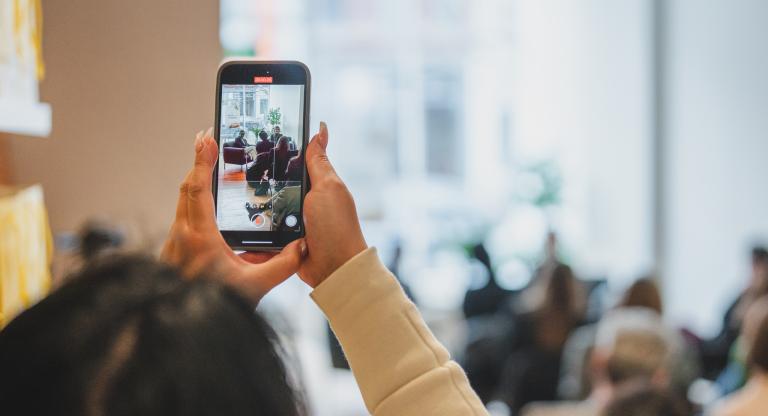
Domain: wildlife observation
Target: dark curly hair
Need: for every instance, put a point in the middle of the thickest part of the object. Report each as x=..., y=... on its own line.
x=128, y=335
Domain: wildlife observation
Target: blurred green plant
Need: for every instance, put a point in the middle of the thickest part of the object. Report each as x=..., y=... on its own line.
x=257, y=130
x=274, y=116
x=548, y=172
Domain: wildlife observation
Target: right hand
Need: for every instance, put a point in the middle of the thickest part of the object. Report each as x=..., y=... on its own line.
x=333, y=234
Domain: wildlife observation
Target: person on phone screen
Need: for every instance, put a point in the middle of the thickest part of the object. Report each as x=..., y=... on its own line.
x=239, y=140
x=280, y=157
x=276, y=135
x=263, y=145
x=130, y=336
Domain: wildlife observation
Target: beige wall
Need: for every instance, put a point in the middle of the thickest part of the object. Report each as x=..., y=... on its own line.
x=130, y=82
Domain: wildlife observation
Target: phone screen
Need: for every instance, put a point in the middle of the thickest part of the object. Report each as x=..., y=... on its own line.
x=261, y=178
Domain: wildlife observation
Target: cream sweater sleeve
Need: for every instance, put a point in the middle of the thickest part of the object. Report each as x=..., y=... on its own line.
x=400, y=367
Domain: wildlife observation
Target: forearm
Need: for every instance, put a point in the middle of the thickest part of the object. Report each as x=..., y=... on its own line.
x=400, y=367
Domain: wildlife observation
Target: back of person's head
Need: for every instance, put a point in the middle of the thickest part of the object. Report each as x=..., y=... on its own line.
x=98, y=238
x=480, y=253
x=263, y=135
x=557, y=304
x=241, y=133
x=642, y=293
x=282, y=144
x=756, y=335
x=759, y=254
x=130, y=336
x=632, y=344
x=643, y=399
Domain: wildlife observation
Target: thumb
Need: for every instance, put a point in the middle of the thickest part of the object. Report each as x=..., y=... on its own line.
x=318, y=165
x=274, y=271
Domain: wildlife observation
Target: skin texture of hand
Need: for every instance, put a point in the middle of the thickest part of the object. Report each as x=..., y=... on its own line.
x=196, y=246
x=333, y=234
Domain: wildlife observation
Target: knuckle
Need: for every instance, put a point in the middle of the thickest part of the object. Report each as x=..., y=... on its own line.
x=200, y=161
x=335, y=184
x=194, y=189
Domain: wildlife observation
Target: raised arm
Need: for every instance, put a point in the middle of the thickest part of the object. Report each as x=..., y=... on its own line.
x=400, y=367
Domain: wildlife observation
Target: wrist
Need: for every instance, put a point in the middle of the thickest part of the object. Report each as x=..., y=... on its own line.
x=325, y=269
x=349, y=254
x=339, y=261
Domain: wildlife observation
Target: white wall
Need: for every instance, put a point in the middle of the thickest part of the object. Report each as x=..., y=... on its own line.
x=582, y=96
x=130, y=83
x=717, y=151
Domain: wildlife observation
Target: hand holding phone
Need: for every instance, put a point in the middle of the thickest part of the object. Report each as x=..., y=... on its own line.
x=262, y=111
x=333, y=229
x=196, y=246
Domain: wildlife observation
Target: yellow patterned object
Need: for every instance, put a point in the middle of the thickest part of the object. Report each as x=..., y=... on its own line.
x=26, y=248
x=21, y=35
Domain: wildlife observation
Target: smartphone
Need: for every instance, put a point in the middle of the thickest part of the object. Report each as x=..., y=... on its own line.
x=262, y=129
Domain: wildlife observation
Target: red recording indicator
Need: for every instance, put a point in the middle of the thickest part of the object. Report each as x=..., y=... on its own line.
x=262, y=80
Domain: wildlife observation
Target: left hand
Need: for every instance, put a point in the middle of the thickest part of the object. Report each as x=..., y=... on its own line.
x=196, y=246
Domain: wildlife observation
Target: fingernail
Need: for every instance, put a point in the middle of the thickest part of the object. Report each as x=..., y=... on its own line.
x=198, y=141
x=323, y=135
x=303, y=248
x=209, y=132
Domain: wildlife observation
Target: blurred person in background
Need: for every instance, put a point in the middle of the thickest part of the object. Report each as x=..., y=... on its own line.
x=644, y=399
x=486, y=328
x=549, y=311
x=752, y=399
x=631, y=347
x=134, y=336
x=488, y=299
x=715, y=352
x=644, y=294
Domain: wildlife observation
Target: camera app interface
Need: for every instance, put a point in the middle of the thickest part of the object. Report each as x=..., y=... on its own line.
x=260, y=158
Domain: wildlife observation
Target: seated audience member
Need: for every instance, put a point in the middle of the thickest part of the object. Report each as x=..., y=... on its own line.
x=263, y=145
x=644, y=399
x=295, y=169
x=631, y=347
x=132, y=336
x=643, y=293
x=276, y=135
x=752, y=399
x=715, y=352
x=551, y=309
x=280, y=156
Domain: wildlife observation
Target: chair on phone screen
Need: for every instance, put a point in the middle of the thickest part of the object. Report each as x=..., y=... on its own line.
x=236, y=156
